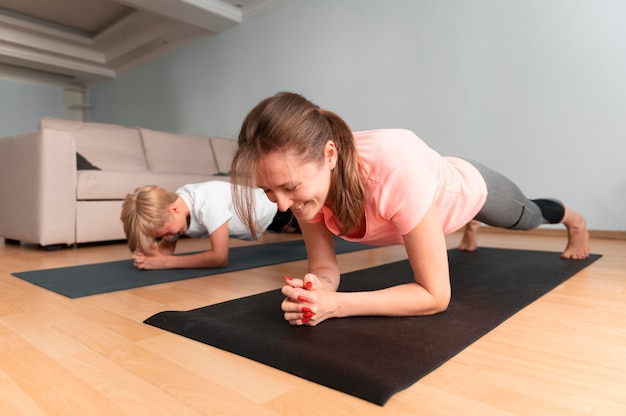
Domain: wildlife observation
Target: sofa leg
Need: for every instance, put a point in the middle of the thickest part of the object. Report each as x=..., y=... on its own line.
x=10, y=241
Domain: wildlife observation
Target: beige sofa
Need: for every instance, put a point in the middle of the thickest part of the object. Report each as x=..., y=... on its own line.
x=51, y=196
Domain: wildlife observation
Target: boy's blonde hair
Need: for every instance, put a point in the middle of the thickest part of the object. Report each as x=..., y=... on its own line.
x=144, y=212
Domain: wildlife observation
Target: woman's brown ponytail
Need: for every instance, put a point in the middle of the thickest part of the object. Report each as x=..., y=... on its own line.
x=289, y=122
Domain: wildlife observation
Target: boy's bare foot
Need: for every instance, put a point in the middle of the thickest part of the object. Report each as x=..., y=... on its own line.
x=469, y=241
x=577, y=236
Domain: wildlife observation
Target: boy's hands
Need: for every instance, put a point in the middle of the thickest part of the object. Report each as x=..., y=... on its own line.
x=149, y=261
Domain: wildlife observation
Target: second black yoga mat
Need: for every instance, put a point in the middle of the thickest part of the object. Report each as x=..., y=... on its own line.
x=92, y=279
x=375, y=357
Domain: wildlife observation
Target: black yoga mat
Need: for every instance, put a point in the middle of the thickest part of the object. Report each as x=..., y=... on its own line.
x=92, y=279
x=374, y=357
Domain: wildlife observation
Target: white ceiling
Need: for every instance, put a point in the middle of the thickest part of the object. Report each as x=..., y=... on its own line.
x=82, y=42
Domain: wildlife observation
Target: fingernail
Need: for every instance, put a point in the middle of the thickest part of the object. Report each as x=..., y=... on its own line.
x=287, y=278
x=305, y=309
x=308, y=315
x=305, y=320
x=308, y=285
x=302, y=298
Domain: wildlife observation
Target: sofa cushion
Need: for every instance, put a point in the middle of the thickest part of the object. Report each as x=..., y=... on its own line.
x=108, y=146
x=110, y=185
x=223, y=151
x=176, y=153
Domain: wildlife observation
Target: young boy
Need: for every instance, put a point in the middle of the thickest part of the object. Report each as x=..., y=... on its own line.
x=155, y=217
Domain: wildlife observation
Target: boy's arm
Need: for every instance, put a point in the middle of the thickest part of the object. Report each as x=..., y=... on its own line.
x=217, y=256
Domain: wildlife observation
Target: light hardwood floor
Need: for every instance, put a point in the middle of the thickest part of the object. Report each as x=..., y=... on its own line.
x=565, y=354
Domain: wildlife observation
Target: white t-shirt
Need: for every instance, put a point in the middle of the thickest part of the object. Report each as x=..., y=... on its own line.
x=211, y=205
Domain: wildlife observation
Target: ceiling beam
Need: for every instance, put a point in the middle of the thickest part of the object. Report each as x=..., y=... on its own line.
x=154, y=28
x=46, y=43
x=213, y=15
x=53, y=63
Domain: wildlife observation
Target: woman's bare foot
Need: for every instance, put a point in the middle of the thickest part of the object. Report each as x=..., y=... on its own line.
x=577, y=236
x=469, y=241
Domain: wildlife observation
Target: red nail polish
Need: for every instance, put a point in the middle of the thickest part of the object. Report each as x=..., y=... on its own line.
x=287, y=278
x=305, y=320
x=302, y=298
x=307, y=314
x=308, y=285
x=305, y=309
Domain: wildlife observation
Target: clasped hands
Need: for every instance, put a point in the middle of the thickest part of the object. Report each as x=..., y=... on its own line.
x=307, y=301
x=148, y=261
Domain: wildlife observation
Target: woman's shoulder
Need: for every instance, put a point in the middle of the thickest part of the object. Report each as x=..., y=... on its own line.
x=389, y=141
x=385, y=134
x=388, y=148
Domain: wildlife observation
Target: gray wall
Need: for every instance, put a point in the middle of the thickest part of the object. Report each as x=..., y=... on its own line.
x=23, y=104
x=534, y=88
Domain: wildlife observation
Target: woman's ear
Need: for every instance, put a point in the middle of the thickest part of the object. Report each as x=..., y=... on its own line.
x=330, y=154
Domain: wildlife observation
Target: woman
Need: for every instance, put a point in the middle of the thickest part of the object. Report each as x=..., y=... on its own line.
x=376, y=187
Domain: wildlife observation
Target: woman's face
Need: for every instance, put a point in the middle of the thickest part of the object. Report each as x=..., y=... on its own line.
x=292, y=184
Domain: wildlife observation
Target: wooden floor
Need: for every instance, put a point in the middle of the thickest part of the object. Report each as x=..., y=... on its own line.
x=563, y=355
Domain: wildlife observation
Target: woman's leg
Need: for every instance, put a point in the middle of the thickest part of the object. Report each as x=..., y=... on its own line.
x=577, y=236
x=507, y=207
x=469, y=241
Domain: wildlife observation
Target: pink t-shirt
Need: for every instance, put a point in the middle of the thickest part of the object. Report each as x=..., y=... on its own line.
x=403, y=176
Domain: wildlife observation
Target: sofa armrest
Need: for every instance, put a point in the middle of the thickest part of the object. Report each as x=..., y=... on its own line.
x=38, y=187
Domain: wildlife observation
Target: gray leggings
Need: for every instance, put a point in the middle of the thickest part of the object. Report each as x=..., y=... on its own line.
x=507, y=207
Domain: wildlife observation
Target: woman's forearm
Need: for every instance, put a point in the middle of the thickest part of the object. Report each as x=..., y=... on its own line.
x=328, y=277
x=409, y=299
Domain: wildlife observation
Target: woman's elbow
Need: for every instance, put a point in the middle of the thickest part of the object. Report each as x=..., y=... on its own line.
x=440, y=303
x=433, y=306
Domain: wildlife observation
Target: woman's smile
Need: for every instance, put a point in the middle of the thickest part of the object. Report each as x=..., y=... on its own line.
x=294, y=184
